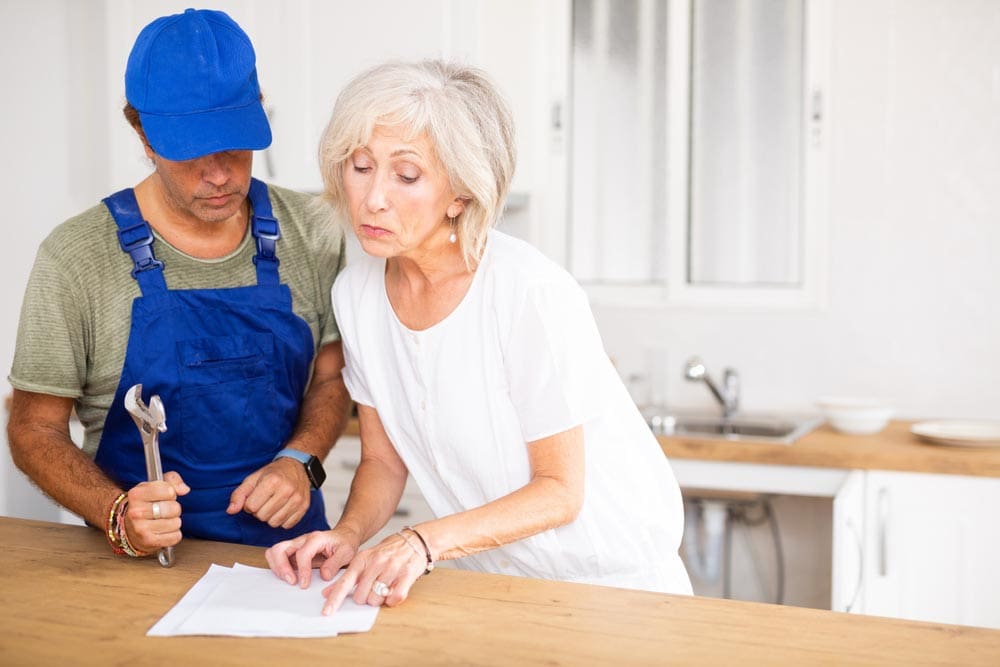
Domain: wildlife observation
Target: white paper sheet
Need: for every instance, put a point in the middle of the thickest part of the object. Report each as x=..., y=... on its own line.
x=252, y=602
x=168, y=625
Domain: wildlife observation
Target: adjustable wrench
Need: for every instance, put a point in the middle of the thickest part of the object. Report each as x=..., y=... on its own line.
x=151, y=421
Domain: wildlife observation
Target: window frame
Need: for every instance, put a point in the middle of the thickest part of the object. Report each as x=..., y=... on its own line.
x=676, y=291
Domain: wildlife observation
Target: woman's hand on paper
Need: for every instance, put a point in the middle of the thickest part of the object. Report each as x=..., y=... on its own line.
x=329, y=550
x=392, y=563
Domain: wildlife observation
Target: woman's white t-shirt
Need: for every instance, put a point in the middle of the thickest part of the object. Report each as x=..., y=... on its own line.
x=519, y=359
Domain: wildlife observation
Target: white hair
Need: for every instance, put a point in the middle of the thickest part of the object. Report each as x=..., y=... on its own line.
x=467, y=121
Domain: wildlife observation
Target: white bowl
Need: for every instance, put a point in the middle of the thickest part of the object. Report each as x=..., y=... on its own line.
x=857, y=416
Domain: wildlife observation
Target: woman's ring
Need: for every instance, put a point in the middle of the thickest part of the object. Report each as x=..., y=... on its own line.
x=156, y=510
x=378, y=588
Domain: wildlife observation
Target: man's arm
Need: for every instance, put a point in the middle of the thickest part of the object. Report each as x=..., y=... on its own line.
x=326, y=405
x=278, y=493
x=40, y=445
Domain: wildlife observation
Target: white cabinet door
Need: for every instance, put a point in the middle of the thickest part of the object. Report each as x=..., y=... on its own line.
x=933, y=545
x=847, y=562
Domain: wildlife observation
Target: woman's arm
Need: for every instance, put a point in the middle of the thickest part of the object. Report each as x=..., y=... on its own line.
x=552, y=497
x=378, y=482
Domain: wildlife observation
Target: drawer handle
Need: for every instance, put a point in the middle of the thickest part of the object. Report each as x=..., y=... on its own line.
x=861, y=559
x=883, y=520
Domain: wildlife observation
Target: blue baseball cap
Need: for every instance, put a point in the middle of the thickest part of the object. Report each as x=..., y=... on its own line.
x=193, y=79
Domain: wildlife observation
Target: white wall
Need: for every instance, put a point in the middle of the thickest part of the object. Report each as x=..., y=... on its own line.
x=49, y=50
x=914, y=237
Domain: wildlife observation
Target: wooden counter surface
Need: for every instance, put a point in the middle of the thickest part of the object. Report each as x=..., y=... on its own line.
x=895, y=448
x=65, y=599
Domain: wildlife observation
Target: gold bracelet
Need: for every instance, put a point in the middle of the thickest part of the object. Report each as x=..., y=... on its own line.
x=427, y=549
x=413, y=546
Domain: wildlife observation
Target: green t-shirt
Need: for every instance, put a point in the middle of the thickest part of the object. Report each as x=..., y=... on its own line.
x=77, y=307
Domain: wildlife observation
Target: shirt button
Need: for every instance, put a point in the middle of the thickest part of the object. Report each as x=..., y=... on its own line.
x=423, y=405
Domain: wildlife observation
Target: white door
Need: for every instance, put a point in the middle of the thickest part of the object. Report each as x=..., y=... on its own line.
x=933, y=544
x=848, y=545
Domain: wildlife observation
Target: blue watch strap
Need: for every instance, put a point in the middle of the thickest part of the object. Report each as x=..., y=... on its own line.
x=296, y=454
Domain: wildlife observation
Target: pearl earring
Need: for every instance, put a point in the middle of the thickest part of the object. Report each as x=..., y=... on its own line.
x=452, y=237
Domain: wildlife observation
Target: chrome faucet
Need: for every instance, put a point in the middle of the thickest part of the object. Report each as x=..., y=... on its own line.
x=728, y=397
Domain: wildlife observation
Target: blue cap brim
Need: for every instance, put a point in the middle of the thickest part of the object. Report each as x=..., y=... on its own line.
x=188, y=136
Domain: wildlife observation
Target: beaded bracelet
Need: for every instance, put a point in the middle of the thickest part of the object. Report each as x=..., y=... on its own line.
x=116, y=533
x=122, y=534
x=427, y=550
x=112, y=530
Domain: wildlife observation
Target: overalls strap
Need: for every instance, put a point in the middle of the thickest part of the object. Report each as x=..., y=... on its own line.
x=264, y=227
x=136, y=238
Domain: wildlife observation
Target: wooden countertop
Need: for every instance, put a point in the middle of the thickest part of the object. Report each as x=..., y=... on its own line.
x=65, y=599
x=895, y=448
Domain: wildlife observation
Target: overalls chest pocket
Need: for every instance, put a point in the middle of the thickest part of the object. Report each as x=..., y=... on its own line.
x=227, y=397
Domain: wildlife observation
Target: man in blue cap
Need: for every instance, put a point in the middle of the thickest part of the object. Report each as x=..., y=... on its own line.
x=208, y=287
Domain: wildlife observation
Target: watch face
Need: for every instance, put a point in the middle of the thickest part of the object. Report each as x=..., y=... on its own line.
x=315, y=471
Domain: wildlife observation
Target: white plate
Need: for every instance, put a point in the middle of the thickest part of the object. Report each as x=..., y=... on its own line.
x=962, y=433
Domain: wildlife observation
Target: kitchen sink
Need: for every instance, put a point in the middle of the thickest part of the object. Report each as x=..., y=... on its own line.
x=749, y=427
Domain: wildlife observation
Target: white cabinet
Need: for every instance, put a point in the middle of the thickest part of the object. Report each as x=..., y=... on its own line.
x=340, y=466
x=907, y=545
x=932, y=548
x=847, y=561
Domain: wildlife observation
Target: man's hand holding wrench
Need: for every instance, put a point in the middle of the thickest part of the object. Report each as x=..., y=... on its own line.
x=153, y=520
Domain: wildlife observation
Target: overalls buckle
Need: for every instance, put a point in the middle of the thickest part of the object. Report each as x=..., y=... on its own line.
x=137, y=241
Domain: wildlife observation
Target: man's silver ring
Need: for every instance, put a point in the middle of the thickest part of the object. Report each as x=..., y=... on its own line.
x=156, y=510
x=380, y=589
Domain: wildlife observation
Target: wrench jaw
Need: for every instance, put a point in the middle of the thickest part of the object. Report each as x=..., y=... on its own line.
x=148, y=418
x=157, y=413
x=135, y=407
x=151, y=420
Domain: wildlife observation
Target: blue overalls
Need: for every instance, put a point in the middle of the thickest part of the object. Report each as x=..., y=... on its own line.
x=231, y=366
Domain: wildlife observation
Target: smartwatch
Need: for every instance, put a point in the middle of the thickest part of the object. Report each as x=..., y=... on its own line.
x=314, y=469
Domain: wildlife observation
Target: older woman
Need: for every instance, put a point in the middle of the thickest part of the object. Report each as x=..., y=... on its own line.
x=476, y=366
